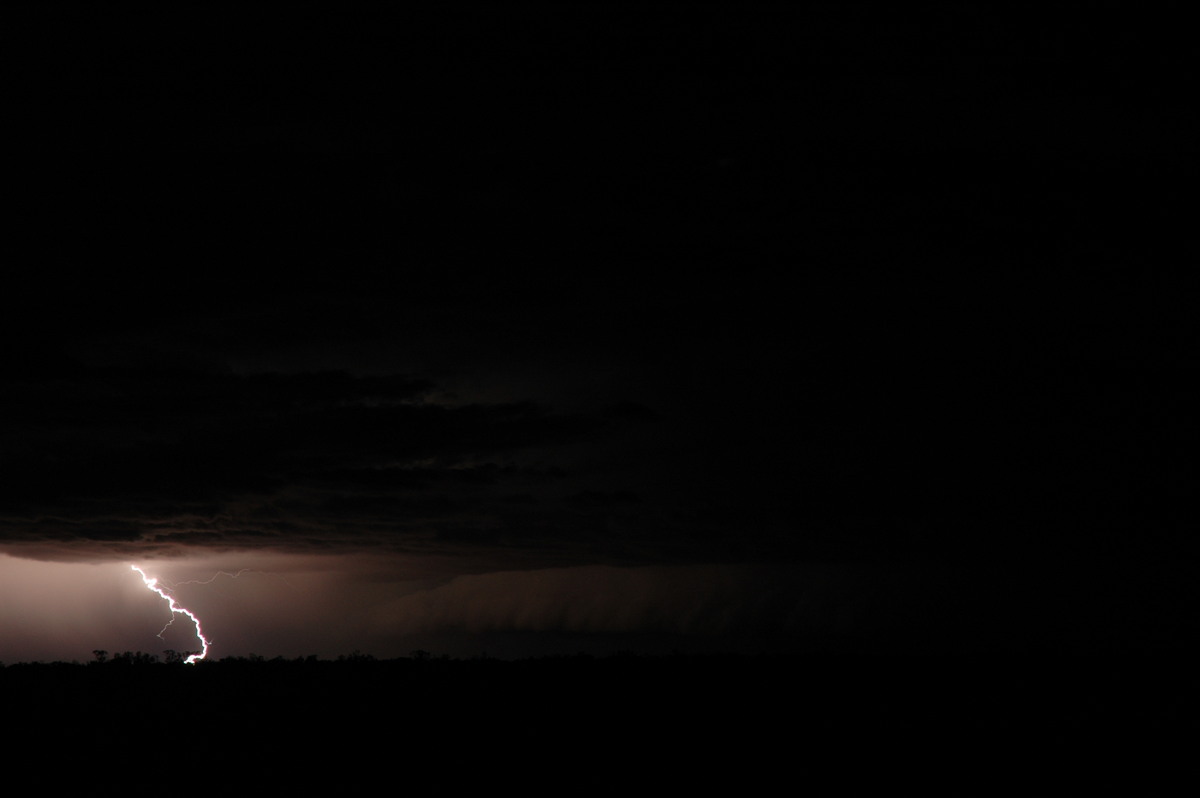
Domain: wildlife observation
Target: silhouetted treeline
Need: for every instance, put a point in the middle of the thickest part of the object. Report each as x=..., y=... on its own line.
x=721, y=721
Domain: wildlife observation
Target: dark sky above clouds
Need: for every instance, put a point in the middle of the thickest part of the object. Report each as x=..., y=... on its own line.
x=486, y=328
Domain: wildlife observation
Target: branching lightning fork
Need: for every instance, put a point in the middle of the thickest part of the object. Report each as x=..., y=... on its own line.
x=231, y=575
x=152, y=584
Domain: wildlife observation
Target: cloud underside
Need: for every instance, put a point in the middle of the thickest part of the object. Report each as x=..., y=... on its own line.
x=112, y=462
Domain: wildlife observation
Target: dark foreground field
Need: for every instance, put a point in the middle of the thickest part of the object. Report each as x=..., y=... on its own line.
x=587, y=725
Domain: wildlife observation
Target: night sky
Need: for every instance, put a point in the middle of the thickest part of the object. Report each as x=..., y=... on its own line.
x=536, y=329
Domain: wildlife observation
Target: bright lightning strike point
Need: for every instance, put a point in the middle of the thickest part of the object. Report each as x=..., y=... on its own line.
x=152, y=584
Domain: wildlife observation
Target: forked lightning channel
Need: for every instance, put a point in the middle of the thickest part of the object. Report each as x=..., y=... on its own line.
x=152, y=584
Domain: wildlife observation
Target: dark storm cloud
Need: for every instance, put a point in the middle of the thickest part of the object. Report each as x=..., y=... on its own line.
x=105, y=458
x=763, y=277
x=877, y=436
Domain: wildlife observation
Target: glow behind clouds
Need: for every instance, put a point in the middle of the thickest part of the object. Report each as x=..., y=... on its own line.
x=291, y=605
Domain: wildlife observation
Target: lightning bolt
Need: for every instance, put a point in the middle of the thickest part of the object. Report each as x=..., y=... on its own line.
x=152, y=584
x=231, y=575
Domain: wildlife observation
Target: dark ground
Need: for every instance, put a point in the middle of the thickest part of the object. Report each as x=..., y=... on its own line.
x=584, y=724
